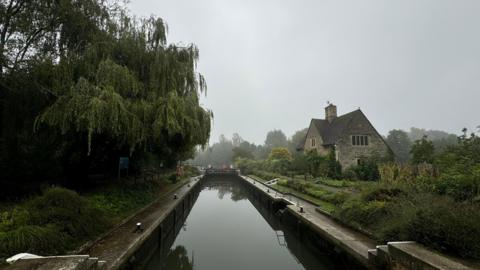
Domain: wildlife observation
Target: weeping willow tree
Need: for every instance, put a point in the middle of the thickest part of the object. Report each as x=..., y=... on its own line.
x=130, y=93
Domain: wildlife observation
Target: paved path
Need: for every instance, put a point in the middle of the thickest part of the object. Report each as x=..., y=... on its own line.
x=354, y=243
x=116, y=247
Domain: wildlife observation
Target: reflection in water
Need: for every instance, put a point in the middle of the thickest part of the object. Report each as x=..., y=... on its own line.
x=178, y=259
x=228, y=230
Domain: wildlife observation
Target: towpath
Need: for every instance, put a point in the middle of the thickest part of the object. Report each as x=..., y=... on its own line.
x=118, y=245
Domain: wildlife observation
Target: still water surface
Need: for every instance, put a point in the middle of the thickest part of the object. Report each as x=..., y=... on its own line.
x=224, y=230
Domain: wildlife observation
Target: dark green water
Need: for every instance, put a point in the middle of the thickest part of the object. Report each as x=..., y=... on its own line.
x=227, y=230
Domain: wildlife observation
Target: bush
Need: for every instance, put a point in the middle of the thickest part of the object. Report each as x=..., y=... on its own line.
x=36, y=239
x=173, y=178
x=50, y=224
x=312, y=190
x=190, y=171
x=459, y=187
x=361, y=214
x=383, y=194
x=435, y=221
x=266, y=175
x=367, y=170
x=70, y=213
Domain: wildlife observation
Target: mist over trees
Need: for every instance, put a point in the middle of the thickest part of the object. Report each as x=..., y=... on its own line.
x=401, y=141
x=226, y=151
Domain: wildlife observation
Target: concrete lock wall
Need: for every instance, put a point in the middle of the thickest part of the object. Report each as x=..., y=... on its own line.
x=163, y=236
x=298, y=227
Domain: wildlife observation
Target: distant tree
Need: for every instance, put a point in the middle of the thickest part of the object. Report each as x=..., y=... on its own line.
x=440, y=139
x=239, y=152
x=296, y=139
x=422, y=151
x=400, y=143
x=236, y=139
x=279, y=159
x=218, y=154
x=300, y=163
x=280, y=153
x=275, y=138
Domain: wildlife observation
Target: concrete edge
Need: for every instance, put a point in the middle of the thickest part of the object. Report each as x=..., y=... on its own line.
x=85, y=247
x=130, y=250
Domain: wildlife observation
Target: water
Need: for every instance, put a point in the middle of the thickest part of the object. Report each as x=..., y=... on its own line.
x=224, y=230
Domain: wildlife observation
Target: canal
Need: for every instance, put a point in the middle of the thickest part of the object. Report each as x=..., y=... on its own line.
x=228, y=229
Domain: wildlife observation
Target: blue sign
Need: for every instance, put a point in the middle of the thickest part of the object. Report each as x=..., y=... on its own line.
x=123, y=163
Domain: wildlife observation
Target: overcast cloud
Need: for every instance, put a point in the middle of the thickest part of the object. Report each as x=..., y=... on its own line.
x=273, y=64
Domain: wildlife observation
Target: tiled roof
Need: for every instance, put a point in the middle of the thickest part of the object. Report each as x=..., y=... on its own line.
x=331, y=132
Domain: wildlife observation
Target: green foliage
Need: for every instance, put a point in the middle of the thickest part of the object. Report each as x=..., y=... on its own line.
x=40, y=240
x=361, y=214
x=280, y=153
x=50, y=224
x=459, y=187
x=400, y=144
x=404, y=212
x=70, y=213
x=296, y=140
x=117, y=201
x=173, y=178
x=275, y=138
x=266, y=175
x=300, y=164
x=239, y=152
x=325, y=166
x=87, y=83
x=422, y=151
x=337, y=183
x=435, y=221
x=315, y=191
x=367, y=170
x=279, y=160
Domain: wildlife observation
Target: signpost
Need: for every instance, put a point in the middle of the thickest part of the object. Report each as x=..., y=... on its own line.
x=122, y=165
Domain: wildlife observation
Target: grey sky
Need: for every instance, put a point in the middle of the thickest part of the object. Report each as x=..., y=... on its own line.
x=273, y=64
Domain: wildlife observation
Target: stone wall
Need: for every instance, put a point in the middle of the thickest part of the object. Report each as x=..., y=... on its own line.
x=348, y=154
x=313, y=134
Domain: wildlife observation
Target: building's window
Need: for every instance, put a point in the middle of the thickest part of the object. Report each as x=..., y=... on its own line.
x=313, y=142
x=361, y=140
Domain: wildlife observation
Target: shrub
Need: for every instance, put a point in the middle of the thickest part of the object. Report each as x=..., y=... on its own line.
x=70, y=213
x=50, y=224
x=361, y=214
x=266, y=175
x=31, y=238
x=459, y=187
x=382, y=194
x=173, y=178
x=435, y=221
x=367, y=170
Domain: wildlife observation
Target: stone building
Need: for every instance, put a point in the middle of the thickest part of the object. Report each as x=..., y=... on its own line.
x=351, y=136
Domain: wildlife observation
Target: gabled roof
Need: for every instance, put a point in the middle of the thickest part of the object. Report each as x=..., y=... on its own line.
x=332, y=131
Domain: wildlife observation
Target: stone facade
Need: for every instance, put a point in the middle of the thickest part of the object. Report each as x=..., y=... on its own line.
x=315, y=142
x=351, y=135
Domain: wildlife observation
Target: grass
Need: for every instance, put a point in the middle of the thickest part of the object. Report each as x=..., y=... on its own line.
x=338, y=183
x=121, y=200
x=325, y=206
x=259, y=179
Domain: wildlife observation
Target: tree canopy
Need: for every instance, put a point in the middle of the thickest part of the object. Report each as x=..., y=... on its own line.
x=400, y=143
x=85, y=82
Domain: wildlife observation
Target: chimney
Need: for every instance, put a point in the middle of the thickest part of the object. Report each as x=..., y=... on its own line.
x=330, y=112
